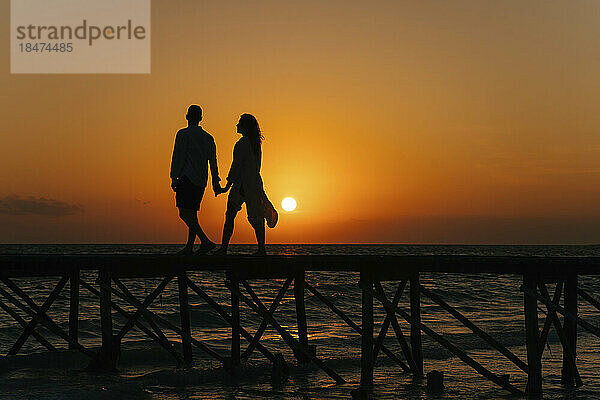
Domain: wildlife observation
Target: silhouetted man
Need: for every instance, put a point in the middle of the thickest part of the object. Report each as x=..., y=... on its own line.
x=194, y=149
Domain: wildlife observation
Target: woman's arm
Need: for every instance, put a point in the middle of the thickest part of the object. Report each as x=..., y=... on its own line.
x=235, y=172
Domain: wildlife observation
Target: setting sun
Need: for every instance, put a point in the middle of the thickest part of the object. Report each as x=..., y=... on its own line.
x=288, y=204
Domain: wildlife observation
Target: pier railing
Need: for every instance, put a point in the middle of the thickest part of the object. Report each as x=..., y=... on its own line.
x=403, y=272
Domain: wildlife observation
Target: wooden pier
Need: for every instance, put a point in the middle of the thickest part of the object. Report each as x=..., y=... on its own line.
x=403, y=271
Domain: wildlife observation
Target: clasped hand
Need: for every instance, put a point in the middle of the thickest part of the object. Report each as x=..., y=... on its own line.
x=218, y=189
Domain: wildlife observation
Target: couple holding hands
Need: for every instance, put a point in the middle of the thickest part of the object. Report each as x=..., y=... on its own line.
x=193, y=152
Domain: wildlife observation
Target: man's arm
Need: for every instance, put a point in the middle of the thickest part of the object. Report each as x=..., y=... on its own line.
x=214, y=168
x=178, y=158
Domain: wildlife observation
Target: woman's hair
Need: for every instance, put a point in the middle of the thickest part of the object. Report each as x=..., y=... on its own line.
x=252, y=131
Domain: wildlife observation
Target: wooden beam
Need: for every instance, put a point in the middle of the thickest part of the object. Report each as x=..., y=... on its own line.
x=184, y=314
x=150, y=315
x=415, y=330
x=366, y=353
x=149, y=299
x=548, y=322
x=108, y=355
x=474, y=328
x=74, y=306
x=301, y=315
x=567, y=353
x=35, y=311
x=260, y=309
x=386, y=322
x=569, y=368
x=386, y=266
x=589, y=298
x=121, y=311
x=390, y=309
x=235, y=319
x=352, y=324
x=33, y=323
x=217, y=307
x=24, y=324
x=148, y=318
x=534, y=364
x=457, y=352
x=570, y=314
x=264, y=324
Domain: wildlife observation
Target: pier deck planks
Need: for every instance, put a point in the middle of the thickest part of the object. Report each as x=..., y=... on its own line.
x=278, y=266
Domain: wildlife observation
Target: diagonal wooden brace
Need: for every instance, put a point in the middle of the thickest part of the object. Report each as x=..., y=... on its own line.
x=352, y=324
x=581, y=322
x=121, y=311
x=24, y=324
x=35, y=312
x=387, y=320
x=168, y=324
x=33, y=323
x=263, y=325
x=164, y=342
x=549, y=321
x=260, y=309
x=561, y=333
x=456, y=351
x=149, y=299
x=277, y=361
x=474, y=328
x=389, y=308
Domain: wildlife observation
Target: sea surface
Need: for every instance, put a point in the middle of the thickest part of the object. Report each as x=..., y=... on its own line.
x=146, y=371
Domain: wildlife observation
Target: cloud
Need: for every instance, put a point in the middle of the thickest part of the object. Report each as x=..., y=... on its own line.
x=17, y=205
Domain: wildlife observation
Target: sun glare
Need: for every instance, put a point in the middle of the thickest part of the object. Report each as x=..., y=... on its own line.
x=288, y=204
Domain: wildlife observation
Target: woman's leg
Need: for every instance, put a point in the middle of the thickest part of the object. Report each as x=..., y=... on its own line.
x=259, y=230
x=191, y=239
x=227, y=231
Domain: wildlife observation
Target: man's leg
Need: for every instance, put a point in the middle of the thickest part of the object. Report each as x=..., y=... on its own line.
x=190, y=217
x=189, y=246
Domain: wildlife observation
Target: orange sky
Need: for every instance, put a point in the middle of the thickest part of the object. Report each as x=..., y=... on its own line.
x=388, y=121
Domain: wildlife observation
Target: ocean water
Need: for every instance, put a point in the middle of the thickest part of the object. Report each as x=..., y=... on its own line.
x=146, y=371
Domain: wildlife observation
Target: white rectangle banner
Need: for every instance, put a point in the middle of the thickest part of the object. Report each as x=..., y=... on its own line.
x=80, y=36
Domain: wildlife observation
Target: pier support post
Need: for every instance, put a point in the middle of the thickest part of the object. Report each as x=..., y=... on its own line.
x=184, y=312
x=235, y=320
x=570, y=329
x=74, y=307
x=301, y=315
x=534, y=362
x=366, y=358
x=415, y=327
x=109, y=352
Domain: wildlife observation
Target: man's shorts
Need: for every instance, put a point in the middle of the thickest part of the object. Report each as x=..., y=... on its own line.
x=254, y=207
x=188, y=195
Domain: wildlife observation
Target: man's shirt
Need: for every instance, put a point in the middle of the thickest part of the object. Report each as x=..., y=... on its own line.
x=194, y=149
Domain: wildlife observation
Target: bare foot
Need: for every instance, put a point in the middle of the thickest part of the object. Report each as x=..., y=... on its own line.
x=205, y=248
x=185, y=251
x=222, y=251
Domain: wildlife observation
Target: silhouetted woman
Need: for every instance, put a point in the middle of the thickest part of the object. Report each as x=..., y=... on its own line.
x=246, y=183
